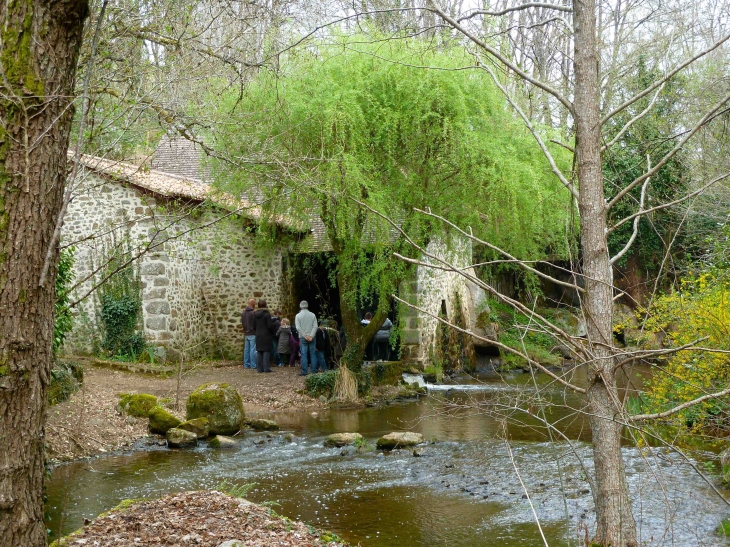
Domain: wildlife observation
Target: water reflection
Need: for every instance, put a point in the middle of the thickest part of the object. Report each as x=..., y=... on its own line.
x=463, y=492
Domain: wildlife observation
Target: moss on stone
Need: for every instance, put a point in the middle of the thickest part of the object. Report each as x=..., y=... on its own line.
x=138, y=405
x=161, y=420
x=262, y=425
x=221, y=404
x=199, y=426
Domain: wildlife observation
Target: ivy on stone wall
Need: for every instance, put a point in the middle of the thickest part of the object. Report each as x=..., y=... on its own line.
x=120, y=300
x=63, y=319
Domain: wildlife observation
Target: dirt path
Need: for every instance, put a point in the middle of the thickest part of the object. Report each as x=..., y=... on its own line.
x=89, y=424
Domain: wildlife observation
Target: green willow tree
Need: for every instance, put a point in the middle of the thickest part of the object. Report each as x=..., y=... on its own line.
x=345, y=123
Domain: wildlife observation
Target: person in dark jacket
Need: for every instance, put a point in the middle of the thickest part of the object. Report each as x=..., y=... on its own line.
x=322, y=350
x=294, y=344
x=282, y=341
x=276, y=318
x=382, y=341
x=264, y=336
x=249, y=333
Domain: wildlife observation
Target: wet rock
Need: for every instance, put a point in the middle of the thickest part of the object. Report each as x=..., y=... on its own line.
x=179, y=438
x=199, y=426
x=288, y=438
x=161, y=420
x=348, y=451
x=219, y=441
x=221, y=404
x=338, y=440
x=418, y=451
x=138, y=405
x=263, y=425
x=399, y=439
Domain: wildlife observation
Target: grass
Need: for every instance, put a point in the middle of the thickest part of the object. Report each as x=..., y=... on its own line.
x=513, y=333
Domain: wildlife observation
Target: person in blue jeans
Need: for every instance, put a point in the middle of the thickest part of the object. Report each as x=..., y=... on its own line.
x=249, y=332
x=306, y=325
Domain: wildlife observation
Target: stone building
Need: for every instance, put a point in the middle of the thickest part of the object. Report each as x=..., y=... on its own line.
x=198, y=261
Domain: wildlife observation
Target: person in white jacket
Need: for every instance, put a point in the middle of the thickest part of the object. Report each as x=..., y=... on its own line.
x=306, y=324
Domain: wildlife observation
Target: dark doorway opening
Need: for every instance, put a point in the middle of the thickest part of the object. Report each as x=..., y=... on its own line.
x=313, y=280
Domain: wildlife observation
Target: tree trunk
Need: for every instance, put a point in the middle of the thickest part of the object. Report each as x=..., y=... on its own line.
x=358, y=336
x=38, y=52
x=615, y=523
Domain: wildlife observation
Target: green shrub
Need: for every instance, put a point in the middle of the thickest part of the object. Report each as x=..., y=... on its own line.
x=321, y=384
x=724, y=527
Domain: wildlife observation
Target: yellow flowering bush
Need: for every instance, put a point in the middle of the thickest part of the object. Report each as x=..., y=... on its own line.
x=701, y=308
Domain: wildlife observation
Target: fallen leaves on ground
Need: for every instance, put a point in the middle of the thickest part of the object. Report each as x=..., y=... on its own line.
x=204, y=519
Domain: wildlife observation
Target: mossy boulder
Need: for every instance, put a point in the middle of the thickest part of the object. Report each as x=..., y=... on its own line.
x=161, y=420
x=338, y=440
x=399, y=439
x=179, y=438
x=199, y=426
x=138, y=405
x=262, y=425
x=219, y=441
x=66, y=379
x=221, y=404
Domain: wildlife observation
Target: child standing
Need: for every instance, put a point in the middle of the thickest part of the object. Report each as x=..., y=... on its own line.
x=282, y=334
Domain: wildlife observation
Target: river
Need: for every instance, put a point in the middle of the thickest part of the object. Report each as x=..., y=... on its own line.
x=470, y=488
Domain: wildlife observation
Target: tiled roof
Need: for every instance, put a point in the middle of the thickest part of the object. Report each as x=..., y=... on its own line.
x=180, y=157
x=174, y=187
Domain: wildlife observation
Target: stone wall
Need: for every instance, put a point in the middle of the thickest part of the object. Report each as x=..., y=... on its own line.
x=433, y=290
x=195, y=279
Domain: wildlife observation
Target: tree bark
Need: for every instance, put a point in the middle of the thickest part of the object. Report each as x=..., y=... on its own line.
x=38, y=54
x=615, y=522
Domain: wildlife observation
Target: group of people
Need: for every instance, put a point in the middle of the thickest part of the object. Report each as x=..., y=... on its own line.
x=271, y=338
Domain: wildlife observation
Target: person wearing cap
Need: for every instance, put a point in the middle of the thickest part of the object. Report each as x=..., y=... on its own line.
x=306, y=325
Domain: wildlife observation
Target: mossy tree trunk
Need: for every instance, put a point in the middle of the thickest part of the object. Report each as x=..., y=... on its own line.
x=38, y=53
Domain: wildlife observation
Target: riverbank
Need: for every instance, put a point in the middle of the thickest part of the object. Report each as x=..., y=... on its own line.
x=205, y=519
x=89, y=424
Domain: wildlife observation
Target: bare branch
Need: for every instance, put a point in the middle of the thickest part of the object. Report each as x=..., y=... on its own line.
x=521, y=7
x=679, y=408
x=633, y=120
x=665, y=79
x=637, y=218
x=669, y=155
x=502, y=58
x=670, y=203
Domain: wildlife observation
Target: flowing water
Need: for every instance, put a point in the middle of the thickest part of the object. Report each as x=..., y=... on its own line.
x=469, y=489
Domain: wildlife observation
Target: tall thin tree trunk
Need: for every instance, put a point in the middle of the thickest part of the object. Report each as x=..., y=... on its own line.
x=615, y=523
x=38, y=52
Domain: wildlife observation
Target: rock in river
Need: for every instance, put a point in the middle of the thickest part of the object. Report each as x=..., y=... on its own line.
x=262, y=425
x=220, y=441
x=338, y=440
x=199, y=426
x=161, y=420
x=221, y=404
x=399, y=439
x=178, y=438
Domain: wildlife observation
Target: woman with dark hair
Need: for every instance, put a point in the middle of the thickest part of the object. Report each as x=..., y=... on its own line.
x=265, y=329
